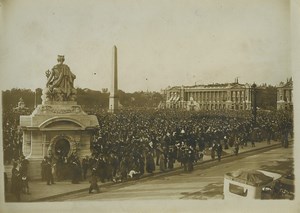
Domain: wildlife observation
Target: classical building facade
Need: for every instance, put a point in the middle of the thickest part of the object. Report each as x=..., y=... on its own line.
x=230, y=96
x=285, y=95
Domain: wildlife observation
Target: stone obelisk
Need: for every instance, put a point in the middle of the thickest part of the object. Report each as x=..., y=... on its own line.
x=113, y=98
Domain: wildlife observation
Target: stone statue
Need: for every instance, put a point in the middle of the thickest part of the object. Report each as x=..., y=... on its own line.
x=60, y=83
x=21, y=106
x=21, y=103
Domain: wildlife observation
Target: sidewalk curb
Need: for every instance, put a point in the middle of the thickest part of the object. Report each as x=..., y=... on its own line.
x=145, y=177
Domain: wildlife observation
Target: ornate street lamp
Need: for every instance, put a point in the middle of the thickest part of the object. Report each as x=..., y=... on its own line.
x=254, y=107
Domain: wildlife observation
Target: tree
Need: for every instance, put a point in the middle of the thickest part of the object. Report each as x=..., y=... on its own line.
x=266, y=97
x=10, y=98
x=88, y=99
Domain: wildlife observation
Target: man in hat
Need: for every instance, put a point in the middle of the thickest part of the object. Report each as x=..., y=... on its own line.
x=219, y=150
x=94, y=182
x=236, y=147
x=43, y=166
x=85, y=166
x=48, y=172
x=213, y=150
x=158, y=152
x=16, y=185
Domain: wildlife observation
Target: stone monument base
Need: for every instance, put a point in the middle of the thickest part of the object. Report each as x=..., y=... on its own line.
x=56, y=129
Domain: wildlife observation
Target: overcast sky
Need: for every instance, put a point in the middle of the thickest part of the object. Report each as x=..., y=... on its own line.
x=160, y=43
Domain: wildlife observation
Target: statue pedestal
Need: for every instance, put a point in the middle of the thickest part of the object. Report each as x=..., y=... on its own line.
x=56, y=128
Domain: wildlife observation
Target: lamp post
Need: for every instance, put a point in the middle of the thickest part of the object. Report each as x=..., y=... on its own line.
x=35, y=104
x=253, y=90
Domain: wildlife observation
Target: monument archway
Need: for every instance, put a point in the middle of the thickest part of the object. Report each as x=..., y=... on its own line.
x=61, y=146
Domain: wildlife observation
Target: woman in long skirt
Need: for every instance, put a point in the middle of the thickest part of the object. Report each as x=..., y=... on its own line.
x=162, y=165
x=150, y=164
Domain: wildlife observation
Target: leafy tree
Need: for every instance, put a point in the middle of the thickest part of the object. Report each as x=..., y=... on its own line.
x=266, y=97
x=88, y=99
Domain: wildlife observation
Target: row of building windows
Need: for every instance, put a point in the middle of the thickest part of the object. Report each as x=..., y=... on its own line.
x=222, y=96
x=236, y=96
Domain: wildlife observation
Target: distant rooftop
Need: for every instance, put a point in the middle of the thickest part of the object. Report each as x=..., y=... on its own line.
x=288, y=83
x=213, y=85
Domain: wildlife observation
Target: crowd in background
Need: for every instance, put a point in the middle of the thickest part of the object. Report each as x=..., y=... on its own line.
x=137, y=141
x=19, y=177
x=140, y=139
x=12, y=134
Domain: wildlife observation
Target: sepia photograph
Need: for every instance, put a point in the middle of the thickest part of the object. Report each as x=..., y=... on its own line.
x=149, y=106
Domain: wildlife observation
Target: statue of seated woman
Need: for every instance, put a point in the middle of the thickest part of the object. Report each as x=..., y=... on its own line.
x=60, y=83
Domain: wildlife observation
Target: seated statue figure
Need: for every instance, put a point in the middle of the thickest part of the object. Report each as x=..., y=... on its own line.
x=60, y=83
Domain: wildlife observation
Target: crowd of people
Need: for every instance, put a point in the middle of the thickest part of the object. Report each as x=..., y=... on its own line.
x=61, y=168
x=137, y=141
x=12, y=134
x=141, y=141
x=19, y=178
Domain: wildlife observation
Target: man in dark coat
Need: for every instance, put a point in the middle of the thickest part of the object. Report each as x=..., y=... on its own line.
x=60, y=168
x=102, y=168
x=190, y=159
x=43, y=164
x=236, y=148
x=162, y=165
x=24, y=184
x=85, y=166
x=5, y=182
x=219, y=150
x=141, y=163
x=16, y=185
x=94, y=182
x=150, y=164
x=123, y=169
x=213, y=150
x=76, y=172
x=24, y=166
x=171, y=158
x=48, y=173
x=185, y=159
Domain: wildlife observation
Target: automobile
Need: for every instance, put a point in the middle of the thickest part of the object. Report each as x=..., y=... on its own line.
x=248, y=184
x=282, y=188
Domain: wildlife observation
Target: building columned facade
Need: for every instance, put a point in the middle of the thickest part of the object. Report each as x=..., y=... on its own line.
x=230, y=96
x=285, y=95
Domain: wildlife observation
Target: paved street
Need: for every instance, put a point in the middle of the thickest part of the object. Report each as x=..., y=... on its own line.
x=205, y=182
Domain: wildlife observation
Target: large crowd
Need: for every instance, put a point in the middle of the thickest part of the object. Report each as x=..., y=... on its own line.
x=12, y=134
x=137, y=141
